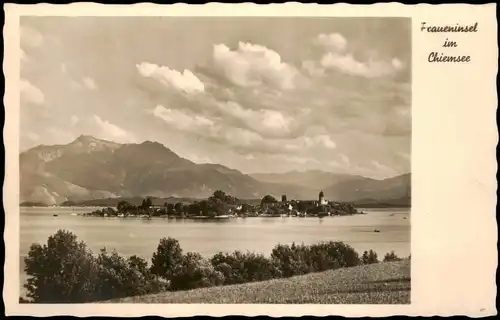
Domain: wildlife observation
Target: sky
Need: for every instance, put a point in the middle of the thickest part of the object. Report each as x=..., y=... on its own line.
x=251, y=93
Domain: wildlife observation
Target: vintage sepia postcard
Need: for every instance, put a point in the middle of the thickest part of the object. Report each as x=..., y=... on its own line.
x=244, y=159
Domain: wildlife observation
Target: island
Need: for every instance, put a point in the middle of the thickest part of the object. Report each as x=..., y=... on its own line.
x=221, y=206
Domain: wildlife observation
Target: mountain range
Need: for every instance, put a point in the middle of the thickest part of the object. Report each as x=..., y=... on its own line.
x=90, y=168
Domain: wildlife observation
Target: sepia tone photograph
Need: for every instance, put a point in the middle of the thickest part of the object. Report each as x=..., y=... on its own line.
x=215, y=160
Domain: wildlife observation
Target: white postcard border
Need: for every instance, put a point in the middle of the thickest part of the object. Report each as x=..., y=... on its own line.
x=454, y=136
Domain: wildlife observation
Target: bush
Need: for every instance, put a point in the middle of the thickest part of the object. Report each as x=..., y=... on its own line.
x=65, y=271
x=292, y=260
x=239, y=267
x=61, y=271
x=301, y=259
x=391, y=256
x=195, y=272
x=369, y=257
x=119, y=277
x=333, y=255
x=168, y=255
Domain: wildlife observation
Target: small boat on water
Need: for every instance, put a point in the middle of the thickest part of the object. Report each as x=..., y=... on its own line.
x=223, y=217
x=55, y=215
x=199, y=217
x=376, y=230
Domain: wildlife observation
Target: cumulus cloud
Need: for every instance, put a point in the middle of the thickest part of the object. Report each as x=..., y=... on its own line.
x=302, y=160
x=325, y=141
x=207, y=128
x=349, y=65
x=313, y=68
x=267, y=113
x=30, y=37
x=331, y=42
x=240, y=101
x=382, y=169
x=89, y=83
x=240, y=137
x=182, y=121
x=268, y=122
x=321, y=141
x=336, y=56
x=185, y=81
x=252, y=65
x=30, y=93
x=243, y=138
x=108, y=130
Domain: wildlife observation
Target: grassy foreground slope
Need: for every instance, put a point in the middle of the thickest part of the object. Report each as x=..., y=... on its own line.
x=382, y=283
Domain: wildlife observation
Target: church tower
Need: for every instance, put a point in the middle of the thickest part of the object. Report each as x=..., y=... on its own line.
x=321, y=199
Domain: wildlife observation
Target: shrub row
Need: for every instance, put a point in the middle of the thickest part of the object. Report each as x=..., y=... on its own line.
x=65, y=271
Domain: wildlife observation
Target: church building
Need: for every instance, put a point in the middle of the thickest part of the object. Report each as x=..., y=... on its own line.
x=321, y=198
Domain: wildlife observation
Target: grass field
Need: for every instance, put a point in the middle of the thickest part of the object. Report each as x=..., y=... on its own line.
x=382, y=283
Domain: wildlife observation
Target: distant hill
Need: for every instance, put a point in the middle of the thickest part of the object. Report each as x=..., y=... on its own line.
x=395, y=191
x=312, y=179
x=362, y=191
x=90, y=168
x=89, y=171
x=404, y=202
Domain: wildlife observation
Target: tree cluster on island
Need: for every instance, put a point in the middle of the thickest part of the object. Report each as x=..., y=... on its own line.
x=222, y=205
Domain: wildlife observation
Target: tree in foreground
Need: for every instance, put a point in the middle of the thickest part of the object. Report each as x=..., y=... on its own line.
x=195, y=272
x=61, y=271
x=65, y=271
x=121, y=277
x=167, y=257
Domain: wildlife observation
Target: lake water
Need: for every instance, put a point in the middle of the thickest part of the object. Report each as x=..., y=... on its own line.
x=138, y=236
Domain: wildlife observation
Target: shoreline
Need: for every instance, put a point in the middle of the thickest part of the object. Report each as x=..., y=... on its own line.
x=214, y=218
x=104, y=206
